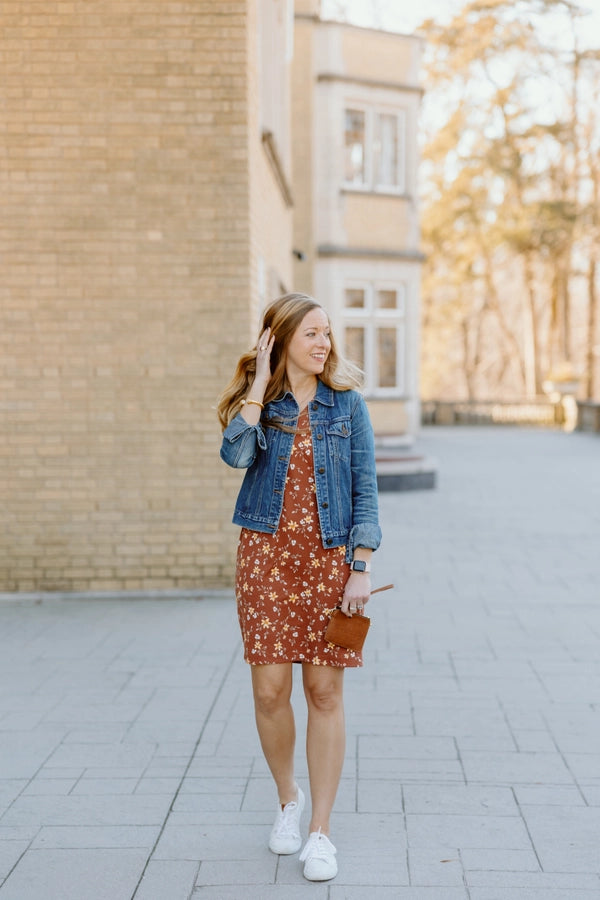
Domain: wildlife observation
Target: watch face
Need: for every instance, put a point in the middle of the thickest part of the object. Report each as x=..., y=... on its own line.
x=359, y=565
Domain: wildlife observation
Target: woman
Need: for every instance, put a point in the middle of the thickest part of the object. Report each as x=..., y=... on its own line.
x=308, y=511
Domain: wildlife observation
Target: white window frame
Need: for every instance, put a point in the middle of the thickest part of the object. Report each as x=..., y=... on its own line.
x=370, y=114
x=370, y=319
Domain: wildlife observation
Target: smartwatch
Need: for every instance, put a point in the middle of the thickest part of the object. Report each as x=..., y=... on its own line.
x=359, y=565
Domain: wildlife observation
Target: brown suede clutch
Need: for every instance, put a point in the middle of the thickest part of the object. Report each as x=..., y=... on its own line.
x=350, y=631
x=347, y=631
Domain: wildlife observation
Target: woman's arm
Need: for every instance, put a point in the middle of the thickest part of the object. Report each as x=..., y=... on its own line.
x=244, y=436
x=365, y=530
x=365, y=535
x=241, y=442
x=358, y=587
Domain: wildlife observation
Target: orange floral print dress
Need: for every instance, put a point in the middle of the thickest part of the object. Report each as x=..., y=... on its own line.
x=287, y=584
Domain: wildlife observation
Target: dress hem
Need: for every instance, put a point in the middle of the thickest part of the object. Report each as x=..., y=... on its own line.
x=298, y=662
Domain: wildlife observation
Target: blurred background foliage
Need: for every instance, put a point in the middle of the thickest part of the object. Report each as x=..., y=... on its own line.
x=510, y=193
x=510, y=180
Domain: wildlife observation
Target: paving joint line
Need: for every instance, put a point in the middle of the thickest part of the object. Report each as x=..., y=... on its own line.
x=566, y=764
x=526, y=826
x=39, y=829
x=213, y=705
x=507, y=722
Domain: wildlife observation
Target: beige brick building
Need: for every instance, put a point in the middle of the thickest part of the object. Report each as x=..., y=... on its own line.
x=146, y=204
x=144, y=210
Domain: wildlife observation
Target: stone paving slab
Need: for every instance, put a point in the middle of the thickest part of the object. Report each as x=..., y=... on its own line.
x=130, y=768
x=75, y=875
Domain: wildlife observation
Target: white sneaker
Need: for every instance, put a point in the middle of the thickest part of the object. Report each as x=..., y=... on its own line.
x=318, y=857
x=285, y=834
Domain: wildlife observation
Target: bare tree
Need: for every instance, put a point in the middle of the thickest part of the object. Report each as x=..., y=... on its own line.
x=503, y=192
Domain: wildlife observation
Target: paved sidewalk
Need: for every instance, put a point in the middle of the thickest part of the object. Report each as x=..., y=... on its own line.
x=129, y=763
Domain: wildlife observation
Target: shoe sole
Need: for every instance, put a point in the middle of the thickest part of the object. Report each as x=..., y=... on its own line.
x=320, y=877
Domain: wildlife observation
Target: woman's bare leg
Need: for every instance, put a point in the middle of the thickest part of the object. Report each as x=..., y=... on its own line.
x=272, y=688
x=325, y=738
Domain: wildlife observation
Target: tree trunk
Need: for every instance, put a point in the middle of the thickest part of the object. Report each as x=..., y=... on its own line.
x=533, y=381
x=496, y=307
x=467, y=368
x=592, y=323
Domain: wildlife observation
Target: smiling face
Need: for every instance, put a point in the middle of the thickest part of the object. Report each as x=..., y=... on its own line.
x=309, y=346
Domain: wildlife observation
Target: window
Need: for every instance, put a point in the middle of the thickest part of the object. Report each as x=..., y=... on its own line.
x=355, y=147
x=355, y=298
x=374, y=335
x=374, y=144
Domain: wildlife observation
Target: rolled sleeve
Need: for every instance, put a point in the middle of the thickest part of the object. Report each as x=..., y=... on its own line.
x=241, y=443
x=367, y=535
x=365, y=531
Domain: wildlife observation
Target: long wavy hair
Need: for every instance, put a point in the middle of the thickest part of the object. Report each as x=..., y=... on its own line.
x=284, y=317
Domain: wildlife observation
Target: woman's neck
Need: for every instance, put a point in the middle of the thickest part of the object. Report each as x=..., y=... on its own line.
x=304, y=389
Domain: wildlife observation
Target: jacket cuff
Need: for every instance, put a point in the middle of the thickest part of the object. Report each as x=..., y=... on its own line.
x=367, y=535
x=239, y=427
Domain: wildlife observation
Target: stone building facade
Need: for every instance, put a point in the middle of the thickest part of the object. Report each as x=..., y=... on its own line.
x=146, y=216
x=356, y=99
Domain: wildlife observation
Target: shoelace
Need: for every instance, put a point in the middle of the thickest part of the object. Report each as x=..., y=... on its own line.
x=318, y=846
x=286, y=824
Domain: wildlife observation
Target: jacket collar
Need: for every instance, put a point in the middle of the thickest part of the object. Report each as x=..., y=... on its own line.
x=324, y=396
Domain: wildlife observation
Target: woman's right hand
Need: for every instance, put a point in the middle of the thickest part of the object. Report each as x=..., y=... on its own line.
x=263, y=357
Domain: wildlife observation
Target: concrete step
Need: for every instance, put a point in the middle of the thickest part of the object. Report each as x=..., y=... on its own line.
x=403, y=472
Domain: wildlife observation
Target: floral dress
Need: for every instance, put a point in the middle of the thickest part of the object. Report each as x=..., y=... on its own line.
x=287, y=584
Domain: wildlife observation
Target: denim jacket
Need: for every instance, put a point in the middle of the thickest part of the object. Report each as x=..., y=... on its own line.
x=344, y=465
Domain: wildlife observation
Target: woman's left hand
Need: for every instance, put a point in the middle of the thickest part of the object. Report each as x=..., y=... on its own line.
x=356, y=593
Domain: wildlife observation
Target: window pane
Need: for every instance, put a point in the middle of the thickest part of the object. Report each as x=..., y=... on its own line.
x=355, y=147
x=355, y=298
x=385, y=150
x=354, y=348
x=387, y=340
x=387, y=299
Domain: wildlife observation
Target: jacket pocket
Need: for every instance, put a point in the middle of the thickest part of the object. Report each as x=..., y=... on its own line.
x=338, y=437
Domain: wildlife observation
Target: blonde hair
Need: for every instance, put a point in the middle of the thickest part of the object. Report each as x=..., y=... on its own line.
x=284, y=317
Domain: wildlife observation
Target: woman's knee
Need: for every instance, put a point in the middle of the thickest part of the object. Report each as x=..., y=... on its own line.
x=271, y=694
x=324, y=695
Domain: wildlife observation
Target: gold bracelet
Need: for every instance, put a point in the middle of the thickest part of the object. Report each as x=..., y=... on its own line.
x=256, y=403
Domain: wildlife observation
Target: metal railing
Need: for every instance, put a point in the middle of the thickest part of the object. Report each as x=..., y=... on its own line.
x=542, y=412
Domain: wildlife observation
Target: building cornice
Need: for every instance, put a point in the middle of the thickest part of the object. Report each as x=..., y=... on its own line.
x=336, y=23
x=369, y=253
x=371, y=82
x=308, y=17
x=268, y=142
x=354, y=191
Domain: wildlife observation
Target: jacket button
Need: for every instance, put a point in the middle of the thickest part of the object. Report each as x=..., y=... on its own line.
x=325, y=505
x=315, y=406
x=329, y=541
x=319, y=437
x=321, y=470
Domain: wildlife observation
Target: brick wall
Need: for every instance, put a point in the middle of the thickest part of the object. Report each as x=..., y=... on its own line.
x=127, y=289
